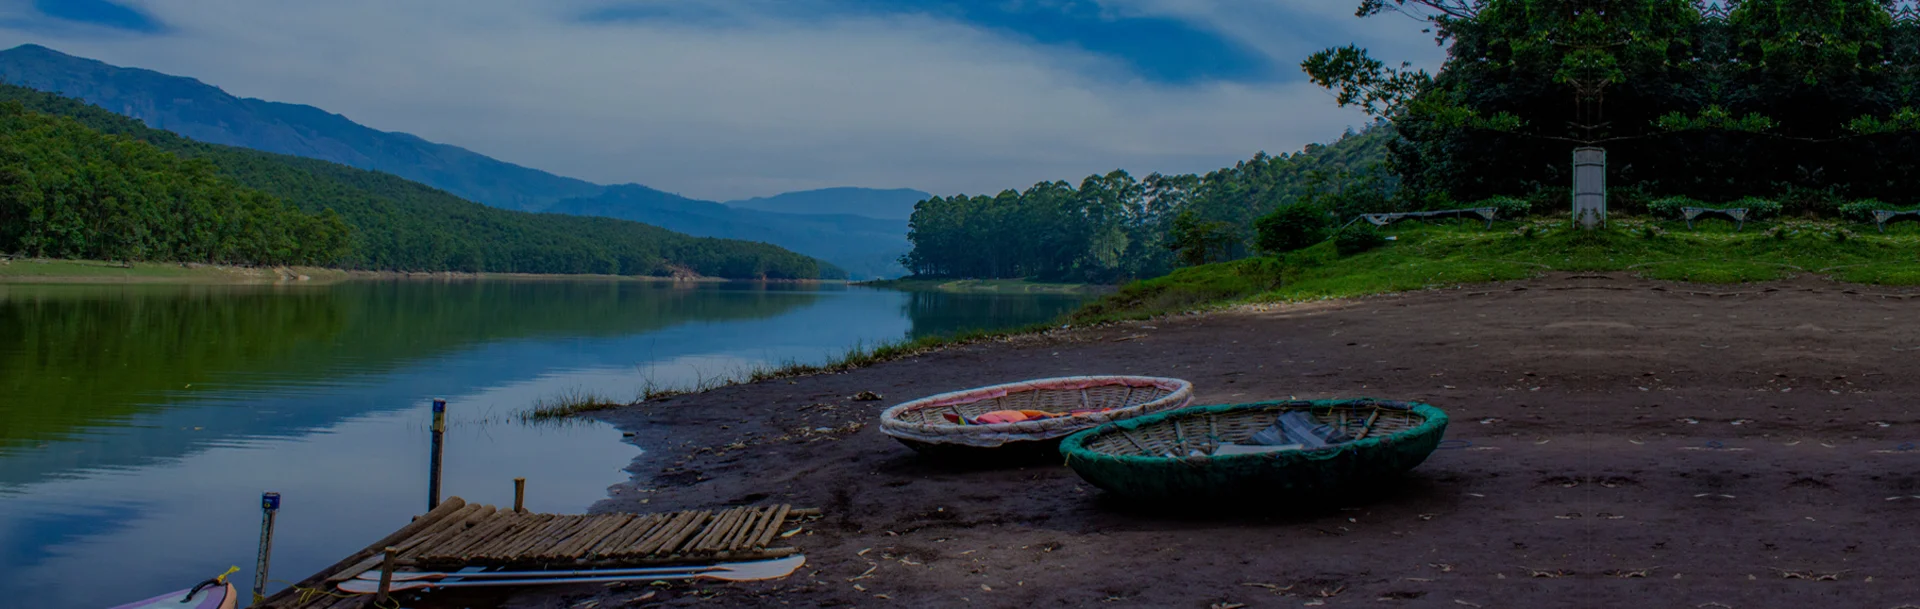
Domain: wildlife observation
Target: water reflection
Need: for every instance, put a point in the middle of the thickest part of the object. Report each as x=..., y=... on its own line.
x=138, y=424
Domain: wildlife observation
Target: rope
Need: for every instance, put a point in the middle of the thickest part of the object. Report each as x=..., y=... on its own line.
x=1453, y=444
x=304, y=595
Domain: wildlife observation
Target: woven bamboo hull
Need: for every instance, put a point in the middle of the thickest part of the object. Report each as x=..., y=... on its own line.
x=1010, y=452
x=1344, y=467
x=1112, y=398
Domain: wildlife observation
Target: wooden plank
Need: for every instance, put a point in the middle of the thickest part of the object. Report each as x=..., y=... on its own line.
x=448, y=531
x=653, y=540
x=595, y=529
x=779, y=522
x=755, y=520
x=544, y=538
x=494, y=544
x=626, y=536
x=533, y=536
x=530, y=535
x=700, y=535
x=720, y=537
x=446, y=508
x=453, y=530
x=451, y=546
x=420, y=537
x=672, y=542
x=455, y=549
x=549, y=549
x=713, y=531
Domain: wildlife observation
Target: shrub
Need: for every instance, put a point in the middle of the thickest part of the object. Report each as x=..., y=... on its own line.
x=1291, y=227
x=1358, y=237
x=1757, y=208
x=1862, y=210
x=1511, y=208
x=1808, y=202
x=1669, y=207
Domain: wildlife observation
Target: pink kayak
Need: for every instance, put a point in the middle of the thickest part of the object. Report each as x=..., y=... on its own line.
x=213, y=594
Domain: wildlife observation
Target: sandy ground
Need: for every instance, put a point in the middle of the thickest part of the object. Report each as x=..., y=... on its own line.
x=1627, y=443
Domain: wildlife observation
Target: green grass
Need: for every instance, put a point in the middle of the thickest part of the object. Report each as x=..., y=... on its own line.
x=1438, y=255
x=20, y=270
x=566, y=404
x=989, y=286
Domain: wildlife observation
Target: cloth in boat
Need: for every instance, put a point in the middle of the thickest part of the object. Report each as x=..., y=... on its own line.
x=1015, y=416
x=1298, y=427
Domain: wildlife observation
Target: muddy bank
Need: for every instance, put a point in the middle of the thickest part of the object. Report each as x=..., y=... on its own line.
x=1631, y=443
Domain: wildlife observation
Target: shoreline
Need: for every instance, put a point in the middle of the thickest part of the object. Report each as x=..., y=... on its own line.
x=25, y=271
x=1519, y=365
x=989, y=286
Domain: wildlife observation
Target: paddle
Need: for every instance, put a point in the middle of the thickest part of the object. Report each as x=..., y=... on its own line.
x=770, y=569
x=407, y=576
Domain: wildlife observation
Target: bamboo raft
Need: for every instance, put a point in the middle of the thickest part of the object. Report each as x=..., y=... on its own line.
x=458, y=535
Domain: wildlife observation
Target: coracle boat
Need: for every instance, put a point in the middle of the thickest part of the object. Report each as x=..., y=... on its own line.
x=1239, y=451
x=1030, y=415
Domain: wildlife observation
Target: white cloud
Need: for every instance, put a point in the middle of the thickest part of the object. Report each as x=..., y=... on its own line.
x=755, y=106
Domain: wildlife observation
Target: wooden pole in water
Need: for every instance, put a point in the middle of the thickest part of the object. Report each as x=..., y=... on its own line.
x=269, y=507
x=439, y=447
x=386, y=576
x=519, y=495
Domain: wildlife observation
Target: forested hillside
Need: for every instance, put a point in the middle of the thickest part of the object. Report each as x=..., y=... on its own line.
x=889, y=204
x=814, y=223
x=864, y=247
x=67, y=191
x=402, y=225
x=205, y=113
x=1114, y=226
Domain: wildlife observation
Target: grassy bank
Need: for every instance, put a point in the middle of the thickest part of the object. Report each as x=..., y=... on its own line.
x=21, y=270
x=989, y=286
x=1436, y=255
x=94, y=271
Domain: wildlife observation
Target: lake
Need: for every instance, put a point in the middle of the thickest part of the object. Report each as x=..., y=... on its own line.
x=139, y=425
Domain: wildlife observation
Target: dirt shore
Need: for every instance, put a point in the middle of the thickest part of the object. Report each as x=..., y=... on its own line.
x=1629, y=443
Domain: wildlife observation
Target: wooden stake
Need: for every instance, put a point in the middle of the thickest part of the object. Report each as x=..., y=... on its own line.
x=520, y=495
x=439, y=448
x=386, y=576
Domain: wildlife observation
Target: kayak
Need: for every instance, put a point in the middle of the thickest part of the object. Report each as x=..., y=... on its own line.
x=211, y=594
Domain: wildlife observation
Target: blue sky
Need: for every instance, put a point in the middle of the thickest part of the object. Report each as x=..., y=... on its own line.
x=735, y=98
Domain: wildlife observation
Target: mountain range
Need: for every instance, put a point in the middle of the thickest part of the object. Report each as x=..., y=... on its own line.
x=860, y=230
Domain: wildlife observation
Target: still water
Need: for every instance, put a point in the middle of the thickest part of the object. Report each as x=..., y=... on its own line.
x=140, y=424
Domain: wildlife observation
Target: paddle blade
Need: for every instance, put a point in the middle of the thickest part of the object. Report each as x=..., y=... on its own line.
x=361, y=586
x=758, y=570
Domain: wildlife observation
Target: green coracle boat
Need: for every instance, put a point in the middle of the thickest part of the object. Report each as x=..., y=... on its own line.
x=1210, y=452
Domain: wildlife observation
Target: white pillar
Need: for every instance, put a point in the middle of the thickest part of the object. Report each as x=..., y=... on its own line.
x=1590, y=187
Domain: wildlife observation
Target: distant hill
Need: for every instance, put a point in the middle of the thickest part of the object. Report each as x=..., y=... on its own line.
x=864, y=247
x=205, y=113
x=894, y=204
x=398, y=224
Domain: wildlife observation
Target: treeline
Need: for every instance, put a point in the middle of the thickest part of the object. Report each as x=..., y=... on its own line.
x=1113, y=227
x=398, y=224
x=1810, y=103
x=67, y=191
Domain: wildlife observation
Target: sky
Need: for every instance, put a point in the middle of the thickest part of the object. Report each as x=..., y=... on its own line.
x=727, y=99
